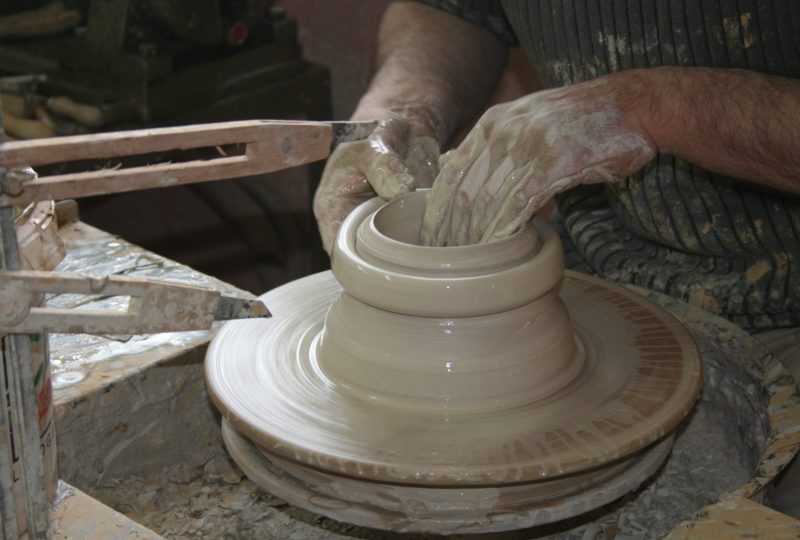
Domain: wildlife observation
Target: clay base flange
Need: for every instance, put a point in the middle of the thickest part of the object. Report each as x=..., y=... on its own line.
x=428, y=510
x=641, y=377
x=353, y=457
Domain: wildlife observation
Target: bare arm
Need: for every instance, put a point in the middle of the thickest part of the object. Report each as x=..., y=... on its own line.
x=734, y=122
x=433, y=69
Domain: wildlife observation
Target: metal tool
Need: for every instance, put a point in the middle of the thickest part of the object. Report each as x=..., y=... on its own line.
x=154, y=306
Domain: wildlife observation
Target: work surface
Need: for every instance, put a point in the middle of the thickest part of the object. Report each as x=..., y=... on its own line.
x=136, y=430
x=81, y=363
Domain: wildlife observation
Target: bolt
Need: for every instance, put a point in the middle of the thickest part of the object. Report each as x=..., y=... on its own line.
x=12, y=181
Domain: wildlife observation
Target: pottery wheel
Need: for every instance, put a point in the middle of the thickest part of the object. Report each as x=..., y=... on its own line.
x=428, y=510
x=640, y=377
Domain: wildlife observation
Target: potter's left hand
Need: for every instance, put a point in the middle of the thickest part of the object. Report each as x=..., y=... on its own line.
x=523, y=152
x=396, y=158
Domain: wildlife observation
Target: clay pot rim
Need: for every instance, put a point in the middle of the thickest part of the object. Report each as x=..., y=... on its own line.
x=441, y=294
x=379, y=247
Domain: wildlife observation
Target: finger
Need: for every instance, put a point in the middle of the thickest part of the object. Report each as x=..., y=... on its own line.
x=342, y=187
x=502, y=196
x=443, y=159
x=529, y=188
x=484, y=184
x=464, y=209
x=393, y=134
x=384, y=165
x=435, y=223
x=533, y=194
x=388, y=175
x=331, y=209
x=512, y=217
x=423, y=161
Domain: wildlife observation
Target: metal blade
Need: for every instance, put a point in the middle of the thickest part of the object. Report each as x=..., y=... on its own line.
x=230, y=307
x=350, y=131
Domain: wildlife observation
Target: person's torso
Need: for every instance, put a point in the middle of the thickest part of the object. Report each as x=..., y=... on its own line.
x=729, y=245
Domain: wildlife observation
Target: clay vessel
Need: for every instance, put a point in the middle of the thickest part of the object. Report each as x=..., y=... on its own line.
x=451, y=389
x=451, y=329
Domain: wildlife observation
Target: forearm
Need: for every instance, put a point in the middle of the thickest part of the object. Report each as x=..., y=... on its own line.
x=734, y=122
x=433, y=69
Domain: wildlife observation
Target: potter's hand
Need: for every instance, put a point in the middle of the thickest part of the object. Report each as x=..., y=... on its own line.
x=394, y=160
x=523, y=152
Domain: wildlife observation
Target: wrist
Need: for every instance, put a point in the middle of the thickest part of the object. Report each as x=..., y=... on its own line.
x=650, y=101
x=637, y=97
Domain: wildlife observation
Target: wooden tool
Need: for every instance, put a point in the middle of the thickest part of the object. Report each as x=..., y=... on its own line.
x=154, y=306
x=270, y=145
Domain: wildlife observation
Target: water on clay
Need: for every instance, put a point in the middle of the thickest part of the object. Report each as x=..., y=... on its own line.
x=715, y=450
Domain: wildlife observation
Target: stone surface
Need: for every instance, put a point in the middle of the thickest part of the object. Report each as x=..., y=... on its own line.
x=75, y=515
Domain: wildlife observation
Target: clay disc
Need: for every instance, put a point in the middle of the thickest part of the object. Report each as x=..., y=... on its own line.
x=641, y=377
x=430, y=510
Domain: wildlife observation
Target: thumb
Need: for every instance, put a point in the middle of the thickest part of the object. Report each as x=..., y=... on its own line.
x=423, y=160
x=389, y=176
x=384, y=164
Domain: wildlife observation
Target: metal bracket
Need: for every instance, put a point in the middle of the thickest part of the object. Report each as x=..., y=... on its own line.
x=12, y=182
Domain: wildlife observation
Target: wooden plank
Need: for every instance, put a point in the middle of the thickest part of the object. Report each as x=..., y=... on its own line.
x=736, y=517
x=145, y=141
x=77, y=515
x=20, y=408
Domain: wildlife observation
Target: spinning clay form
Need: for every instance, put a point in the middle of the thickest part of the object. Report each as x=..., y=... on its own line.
x=451, y=389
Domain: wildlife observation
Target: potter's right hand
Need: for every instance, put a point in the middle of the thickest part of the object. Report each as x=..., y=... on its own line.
x=396, y=159
x=522, y=153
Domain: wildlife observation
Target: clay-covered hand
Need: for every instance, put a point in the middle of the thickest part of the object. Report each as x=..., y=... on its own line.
x=523, y=152
x=394, y=160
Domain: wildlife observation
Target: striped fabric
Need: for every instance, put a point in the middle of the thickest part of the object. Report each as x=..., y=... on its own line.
x=728, y=246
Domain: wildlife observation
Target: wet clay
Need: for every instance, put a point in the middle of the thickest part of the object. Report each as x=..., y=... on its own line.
x=453, y=370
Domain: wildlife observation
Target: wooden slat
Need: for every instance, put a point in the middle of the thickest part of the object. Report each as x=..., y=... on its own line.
x=737, y=517
x=144, y=141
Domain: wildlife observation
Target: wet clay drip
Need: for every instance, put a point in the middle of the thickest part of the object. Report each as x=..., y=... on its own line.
x=456, y=368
